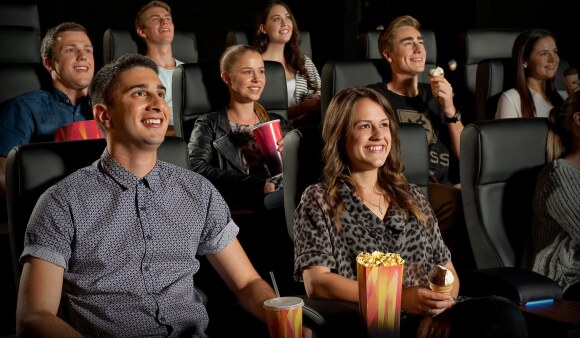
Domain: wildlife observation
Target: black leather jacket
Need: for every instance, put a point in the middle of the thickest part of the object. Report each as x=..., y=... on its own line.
x=213, y=154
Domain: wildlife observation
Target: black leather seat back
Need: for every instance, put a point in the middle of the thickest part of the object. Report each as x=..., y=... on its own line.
x=476, y=45
x=494, y=76
x=21, y=68
x=19, y=45
x=118, y=42
x=34, y=167
x=197, y=90
x=275, y=95
x=20, y=15
x=337, y=75
x=303, y=162
x=500, y=161
x=369, y=49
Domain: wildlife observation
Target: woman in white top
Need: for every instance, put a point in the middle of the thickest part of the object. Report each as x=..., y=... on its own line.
x=536, y=61
x=278, y=39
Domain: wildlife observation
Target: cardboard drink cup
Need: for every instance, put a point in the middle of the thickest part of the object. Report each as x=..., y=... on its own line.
x=267, y=136
x=284, y=317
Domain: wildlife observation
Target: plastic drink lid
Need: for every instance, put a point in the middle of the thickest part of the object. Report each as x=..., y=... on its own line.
x=263, y=124
x=283, y=303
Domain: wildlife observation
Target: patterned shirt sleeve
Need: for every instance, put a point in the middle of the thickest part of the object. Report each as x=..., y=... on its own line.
x=50, y=229
x=312, y=232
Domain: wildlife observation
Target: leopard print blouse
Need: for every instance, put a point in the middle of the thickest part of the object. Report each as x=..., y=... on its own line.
x=318, y=243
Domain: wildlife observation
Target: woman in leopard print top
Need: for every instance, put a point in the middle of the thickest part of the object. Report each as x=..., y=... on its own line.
x=365, y=204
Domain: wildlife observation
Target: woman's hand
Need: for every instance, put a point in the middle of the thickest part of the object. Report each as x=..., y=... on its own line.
x=421, y=300
x=280, y=145
x=434, y=327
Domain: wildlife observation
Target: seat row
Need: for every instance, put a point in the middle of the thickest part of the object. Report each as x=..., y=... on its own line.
x=486, y=65
x=493, y=169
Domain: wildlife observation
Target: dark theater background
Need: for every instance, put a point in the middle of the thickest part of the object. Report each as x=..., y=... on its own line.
x=333, y=25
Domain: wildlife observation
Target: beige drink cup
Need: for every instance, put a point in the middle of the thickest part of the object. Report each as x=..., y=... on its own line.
x=267, y=136
x=284, y=317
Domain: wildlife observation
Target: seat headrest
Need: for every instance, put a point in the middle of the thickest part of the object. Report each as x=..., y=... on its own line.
x=305, y=44
x=236, y=38
x=184, y=47
x=19, y=45
x=500, y=147
x=483, y=44
x=275, y=95
x=20, y=15
x=488, y=44
x=117, y=42
x=197, y=89
x=337, y=75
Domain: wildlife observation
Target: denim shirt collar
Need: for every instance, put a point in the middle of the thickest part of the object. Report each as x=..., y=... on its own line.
x=61, y=97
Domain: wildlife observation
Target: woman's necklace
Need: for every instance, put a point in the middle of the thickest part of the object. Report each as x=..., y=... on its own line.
x=230, y=114
x=373, y=204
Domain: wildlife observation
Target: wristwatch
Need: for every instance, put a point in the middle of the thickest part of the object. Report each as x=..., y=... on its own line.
x=455, y=118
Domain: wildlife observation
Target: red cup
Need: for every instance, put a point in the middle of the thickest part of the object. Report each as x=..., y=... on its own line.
x=267, y=137
x=81, y=130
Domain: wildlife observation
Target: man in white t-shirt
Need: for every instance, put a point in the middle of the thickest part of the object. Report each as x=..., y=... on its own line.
x=154, y=25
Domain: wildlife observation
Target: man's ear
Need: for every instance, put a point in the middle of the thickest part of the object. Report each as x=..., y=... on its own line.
x=101, y=114
x=141, y=33
x=48, y=64
x=576, y=118
x=387, y=57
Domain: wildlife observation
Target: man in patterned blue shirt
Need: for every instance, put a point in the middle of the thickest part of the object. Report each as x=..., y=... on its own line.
x=67, y=54
x=111, y=249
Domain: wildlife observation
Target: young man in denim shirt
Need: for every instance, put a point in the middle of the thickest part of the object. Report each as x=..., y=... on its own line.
x=67, y=54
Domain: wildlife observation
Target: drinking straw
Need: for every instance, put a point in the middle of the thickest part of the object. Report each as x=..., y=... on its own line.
x=274, y=283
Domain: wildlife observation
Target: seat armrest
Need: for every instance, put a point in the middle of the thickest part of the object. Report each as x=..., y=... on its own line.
x=331, y=318
x=516, y=284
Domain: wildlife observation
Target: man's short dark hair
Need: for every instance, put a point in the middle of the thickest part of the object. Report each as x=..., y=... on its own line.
x=49, y=40
x=105, y=80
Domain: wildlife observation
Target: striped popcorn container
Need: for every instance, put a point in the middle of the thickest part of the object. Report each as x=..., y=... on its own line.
x=380, y=279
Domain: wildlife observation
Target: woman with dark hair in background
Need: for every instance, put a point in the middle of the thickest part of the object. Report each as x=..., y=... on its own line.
x=278, y=39
x=536, y=60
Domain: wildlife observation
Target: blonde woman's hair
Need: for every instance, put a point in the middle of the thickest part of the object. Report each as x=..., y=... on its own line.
x=228, y=58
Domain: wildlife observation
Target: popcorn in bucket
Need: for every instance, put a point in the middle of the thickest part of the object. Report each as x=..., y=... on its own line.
x=380, y=279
